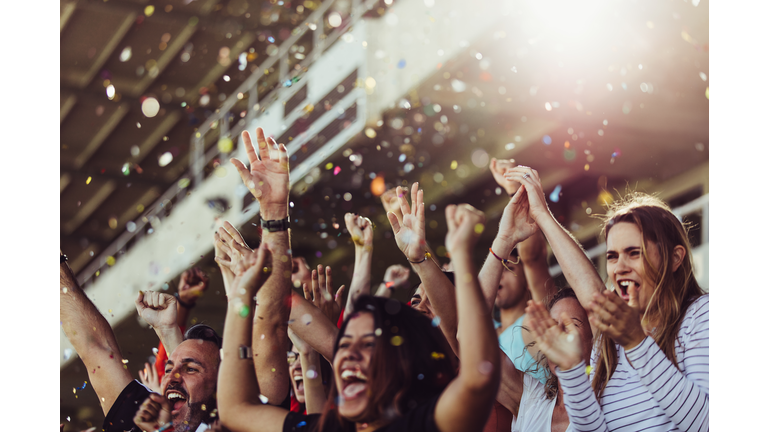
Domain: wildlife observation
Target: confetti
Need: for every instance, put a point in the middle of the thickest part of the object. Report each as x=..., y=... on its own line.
x=396, y=340
x=555, y=195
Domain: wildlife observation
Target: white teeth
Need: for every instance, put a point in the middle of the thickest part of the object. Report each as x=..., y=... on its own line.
x=298, y=378
x=356, y=374
x=175, y=396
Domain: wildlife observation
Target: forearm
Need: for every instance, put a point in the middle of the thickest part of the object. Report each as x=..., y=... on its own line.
x=361, y=278
x=580, y=401
x=93, y=340
x=320, y=334
x=270, y=338
x=383, y=291
x=314, y=393
x=533, y=254
x=442, y=296
x=238, y=387
x=479, y=353
x=490, y=274
x=170, y=337
x=182, y=315
x=577, y=268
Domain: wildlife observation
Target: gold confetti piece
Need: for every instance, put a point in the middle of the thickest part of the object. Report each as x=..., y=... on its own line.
x=88, y=181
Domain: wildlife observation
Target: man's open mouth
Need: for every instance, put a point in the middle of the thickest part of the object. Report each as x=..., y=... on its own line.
x=177, y=400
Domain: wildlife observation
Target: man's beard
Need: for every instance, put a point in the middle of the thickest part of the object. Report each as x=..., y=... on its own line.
x=196, y=415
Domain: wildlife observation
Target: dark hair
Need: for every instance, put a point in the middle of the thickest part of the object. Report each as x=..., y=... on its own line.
x=411, y=362
x=203, y=332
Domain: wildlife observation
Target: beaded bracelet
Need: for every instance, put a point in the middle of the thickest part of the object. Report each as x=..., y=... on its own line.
x=427, y=255
x=504, y=262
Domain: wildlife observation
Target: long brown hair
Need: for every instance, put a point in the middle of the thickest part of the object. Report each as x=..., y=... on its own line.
x=674, y=291
x=410, y=364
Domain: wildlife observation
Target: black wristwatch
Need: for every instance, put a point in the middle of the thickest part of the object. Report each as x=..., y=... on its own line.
x=276, y=225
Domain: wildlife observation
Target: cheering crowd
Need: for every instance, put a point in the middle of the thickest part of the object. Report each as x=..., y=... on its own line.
x=634, y=357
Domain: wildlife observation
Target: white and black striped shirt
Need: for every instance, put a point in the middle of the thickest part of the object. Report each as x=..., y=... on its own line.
x=654, y=395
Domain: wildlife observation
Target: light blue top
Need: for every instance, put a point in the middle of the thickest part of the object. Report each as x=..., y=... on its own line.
x=511, y=342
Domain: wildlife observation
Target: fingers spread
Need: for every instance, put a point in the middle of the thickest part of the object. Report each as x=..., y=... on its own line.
x=394, y=221
x=263, y=147
x=249, y=150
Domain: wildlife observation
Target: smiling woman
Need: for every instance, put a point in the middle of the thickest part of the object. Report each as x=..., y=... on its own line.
x=651, y=331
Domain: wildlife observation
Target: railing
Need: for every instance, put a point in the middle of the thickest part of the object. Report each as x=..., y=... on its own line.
x=199, y=158
x=699, y=204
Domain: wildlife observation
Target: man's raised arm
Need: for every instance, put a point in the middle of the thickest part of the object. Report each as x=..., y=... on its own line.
x=93, y=339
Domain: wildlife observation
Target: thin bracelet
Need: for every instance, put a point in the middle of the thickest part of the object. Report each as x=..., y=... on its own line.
x=426, y=255
x=178, y=299
x=504, y=261
x=389, y=285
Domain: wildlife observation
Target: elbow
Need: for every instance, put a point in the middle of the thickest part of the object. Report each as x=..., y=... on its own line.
x=228, y=415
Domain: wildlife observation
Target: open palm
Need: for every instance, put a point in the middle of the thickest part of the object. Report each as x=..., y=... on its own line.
x=268, y=178
x=410, y=233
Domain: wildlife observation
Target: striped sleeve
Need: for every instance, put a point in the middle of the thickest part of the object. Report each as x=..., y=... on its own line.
x=684, y=396
x=581, y=404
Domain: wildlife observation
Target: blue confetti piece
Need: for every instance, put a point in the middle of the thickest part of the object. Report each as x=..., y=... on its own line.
x=435, y=321
x=83, y=386
x=546, y=140
x=301, y=424
x=555, y=195
x=271, y=39
x=401, y=64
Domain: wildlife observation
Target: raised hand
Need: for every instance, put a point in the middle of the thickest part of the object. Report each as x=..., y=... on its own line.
x=616, y=318
x=192, y=284
x=360, y=229
x=232, y=244
x=391, y=203
x=499, y=167
x=301, y=346
x=251, y=273
x=157, y=309
x=321, y=293
x=465, y=224
x=516, y=223
x=410, y=232
x=153, y=413
x=268, y=178
x=561, y=346
x=148, y=376
x=531, y=184
x=397, y=275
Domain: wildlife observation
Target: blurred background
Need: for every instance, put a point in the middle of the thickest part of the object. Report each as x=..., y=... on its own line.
x=599, y=96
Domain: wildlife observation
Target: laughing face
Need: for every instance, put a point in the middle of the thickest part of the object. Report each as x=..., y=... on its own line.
x=351, y=365
x=189, y=382
x=297, y=377
x=420, y=302
x=625, y=262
